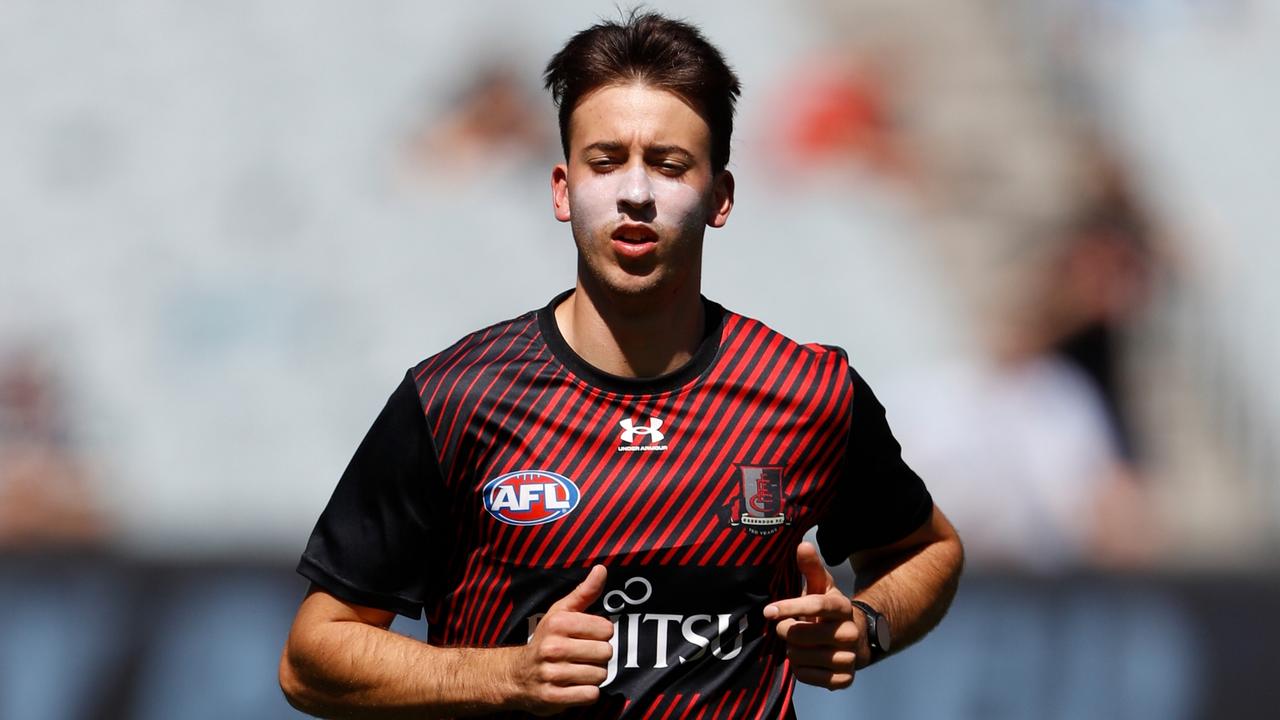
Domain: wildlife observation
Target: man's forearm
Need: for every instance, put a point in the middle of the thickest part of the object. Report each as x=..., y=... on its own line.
x=913, y=585
x=354, y=670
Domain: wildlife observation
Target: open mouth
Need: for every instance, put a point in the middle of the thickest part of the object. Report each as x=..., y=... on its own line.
x=635, y=234
x=634, y=242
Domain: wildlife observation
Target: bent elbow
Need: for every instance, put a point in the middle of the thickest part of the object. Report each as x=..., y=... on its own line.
x=295, y=689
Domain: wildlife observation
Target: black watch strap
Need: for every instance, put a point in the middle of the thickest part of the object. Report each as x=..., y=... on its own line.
x=877, y=630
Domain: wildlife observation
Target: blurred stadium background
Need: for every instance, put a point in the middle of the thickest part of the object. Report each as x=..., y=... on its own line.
x=1044, y=230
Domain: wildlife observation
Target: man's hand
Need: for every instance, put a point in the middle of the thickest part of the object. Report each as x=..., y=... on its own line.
x=822, y=630
x=566, y=659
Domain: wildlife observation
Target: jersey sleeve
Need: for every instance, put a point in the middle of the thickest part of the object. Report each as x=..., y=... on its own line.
x=376, y=540
x=880, y=499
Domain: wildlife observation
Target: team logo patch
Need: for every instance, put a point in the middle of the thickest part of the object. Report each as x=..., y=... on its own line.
x=530, y=497
x=758, y=503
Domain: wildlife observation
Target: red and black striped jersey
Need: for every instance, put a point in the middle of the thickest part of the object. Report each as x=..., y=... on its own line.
x=503, y=468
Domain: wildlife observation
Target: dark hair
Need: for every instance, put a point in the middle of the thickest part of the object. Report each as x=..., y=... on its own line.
x=668, y=54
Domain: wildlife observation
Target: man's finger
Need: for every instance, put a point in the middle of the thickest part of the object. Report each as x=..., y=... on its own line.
x=819, y=634
x=577, y=650
x=587, y=592
x=822, y=658
x=826, y=607
x=824, y=678
x=569, y=674
x=816, y=578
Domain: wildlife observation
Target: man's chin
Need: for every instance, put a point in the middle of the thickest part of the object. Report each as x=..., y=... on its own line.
x=629, y=278
x=626, y=285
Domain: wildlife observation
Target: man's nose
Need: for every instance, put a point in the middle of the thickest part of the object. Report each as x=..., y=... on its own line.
x=636, y=189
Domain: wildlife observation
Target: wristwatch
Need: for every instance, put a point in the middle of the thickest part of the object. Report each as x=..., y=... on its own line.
x=878, y=635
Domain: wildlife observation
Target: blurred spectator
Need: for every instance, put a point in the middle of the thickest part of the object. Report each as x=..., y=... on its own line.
x=1018, y=450
x=494, y=123
x=44, y=499
x=1101, y=281
x=1028, y=447
x=835, y=112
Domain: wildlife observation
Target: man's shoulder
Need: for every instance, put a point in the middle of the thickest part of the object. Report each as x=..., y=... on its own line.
x=752, y=336
x=512, y=341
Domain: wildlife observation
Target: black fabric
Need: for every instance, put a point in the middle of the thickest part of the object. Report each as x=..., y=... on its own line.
x=377, y=541
x=880, y=498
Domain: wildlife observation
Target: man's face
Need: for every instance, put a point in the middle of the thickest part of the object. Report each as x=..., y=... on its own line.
x=638, y=189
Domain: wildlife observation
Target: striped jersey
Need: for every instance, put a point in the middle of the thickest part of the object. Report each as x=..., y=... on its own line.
x=502, y=469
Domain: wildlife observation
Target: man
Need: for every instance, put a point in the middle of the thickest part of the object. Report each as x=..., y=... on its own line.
x=600, y=504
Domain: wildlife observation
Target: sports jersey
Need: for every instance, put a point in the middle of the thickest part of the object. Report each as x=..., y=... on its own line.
x=503, y=468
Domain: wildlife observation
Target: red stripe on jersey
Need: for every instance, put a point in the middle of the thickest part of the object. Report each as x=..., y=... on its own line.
x=460, y=352
x=469, y=609
x=720, y=489
x=484, y=423
x=804, y=447
x=789, y=687
x=466, y=393
x=626, y=485
x=470, y=530
x=733, y=711
x=723, y=487
x=675, y=703
x=613, y=538
x=701, y=461
x=755, y=693
x=720, y=705
x=620, y=487
x=733, y=549
x=693, y=703
x=560, y=456
x=495, y=632
x=651, y=527
x=506, y=530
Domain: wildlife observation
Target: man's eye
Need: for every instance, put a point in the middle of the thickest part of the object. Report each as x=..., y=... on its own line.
x=603, y=164
x=671, y=168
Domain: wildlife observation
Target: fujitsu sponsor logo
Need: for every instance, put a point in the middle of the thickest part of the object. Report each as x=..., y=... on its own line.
x=650, y=431
x=648, y=640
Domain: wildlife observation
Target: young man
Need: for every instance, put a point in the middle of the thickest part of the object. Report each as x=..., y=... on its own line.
x=600, y=504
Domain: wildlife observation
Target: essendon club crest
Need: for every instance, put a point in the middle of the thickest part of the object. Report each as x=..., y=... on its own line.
x=758, y=504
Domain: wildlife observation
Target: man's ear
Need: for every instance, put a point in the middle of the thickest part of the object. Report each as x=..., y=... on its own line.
x=560, y=191
x=721, y=200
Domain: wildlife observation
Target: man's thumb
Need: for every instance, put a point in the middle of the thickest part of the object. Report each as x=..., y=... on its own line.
x=816, y=578
x=581, y=597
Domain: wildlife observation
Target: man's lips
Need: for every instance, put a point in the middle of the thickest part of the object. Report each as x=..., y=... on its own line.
x=634, y=241
x=635, y=233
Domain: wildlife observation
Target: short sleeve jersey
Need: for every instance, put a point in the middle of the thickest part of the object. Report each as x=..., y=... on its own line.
x=503, y=468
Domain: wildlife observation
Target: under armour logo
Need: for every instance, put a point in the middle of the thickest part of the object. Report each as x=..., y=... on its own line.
x=630, y=431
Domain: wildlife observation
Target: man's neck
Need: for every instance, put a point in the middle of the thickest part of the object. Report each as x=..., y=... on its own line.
x=634, y=338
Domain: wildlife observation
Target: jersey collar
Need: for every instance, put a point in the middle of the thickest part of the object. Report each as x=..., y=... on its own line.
x=697, y=365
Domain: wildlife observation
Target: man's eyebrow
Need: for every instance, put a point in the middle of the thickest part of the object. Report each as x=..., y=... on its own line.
x=605, y=146
x=610, y=146
x=668, y=150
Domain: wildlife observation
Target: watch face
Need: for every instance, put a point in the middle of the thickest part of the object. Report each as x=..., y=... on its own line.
x=882, y=633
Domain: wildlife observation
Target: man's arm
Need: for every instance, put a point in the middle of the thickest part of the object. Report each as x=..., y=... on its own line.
x=911, y=582
x=341, y=660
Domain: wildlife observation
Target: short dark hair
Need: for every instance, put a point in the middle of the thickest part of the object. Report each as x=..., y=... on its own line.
x=668, y=54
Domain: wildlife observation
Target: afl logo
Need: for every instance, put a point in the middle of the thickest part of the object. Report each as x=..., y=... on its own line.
x=530, y=497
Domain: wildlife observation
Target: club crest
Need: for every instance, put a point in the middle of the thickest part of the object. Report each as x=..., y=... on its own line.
x=757, y=503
